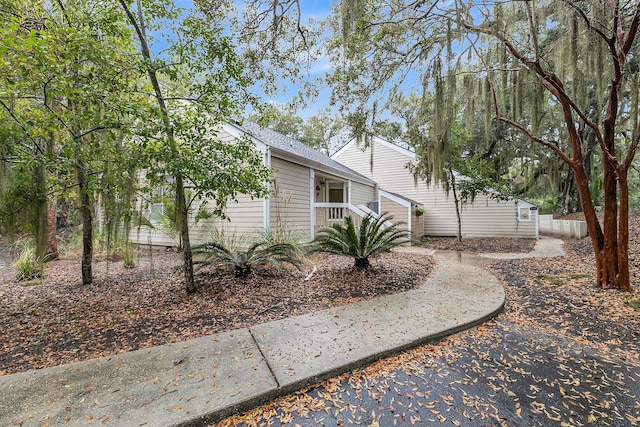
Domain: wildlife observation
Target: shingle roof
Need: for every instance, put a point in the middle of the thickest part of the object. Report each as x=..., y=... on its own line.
x=296, y=148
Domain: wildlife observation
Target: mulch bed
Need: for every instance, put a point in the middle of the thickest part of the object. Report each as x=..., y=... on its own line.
x=482, y=244
x=60, y=321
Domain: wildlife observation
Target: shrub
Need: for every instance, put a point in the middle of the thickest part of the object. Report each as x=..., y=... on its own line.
x=27, y=265
x=299, y=244
x=235, y=252
x=374, y=236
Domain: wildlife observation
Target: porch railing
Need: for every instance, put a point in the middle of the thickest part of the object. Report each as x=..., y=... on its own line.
x=331, y=213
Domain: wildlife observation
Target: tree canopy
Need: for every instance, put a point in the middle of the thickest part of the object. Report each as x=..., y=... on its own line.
x=554, y=80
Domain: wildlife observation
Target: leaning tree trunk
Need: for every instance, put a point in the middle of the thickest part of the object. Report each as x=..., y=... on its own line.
x=593, y=226
x=183, y=209
x=457, y=203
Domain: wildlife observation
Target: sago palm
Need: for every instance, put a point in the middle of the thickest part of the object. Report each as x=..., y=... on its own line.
x=374, y=236
x=242, y=258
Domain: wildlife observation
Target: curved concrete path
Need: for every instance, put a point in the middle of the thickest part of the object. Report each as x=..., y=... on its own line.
x=206, y=379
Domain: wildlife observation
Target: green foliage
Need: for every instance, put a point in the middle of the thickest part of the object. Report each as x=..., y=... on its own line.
x=28, y=266
x=425, y=240
x=239, y=252
x=284, y=235
x=128, y=256
x=633, y=303
x=547, y=205
x=374, y=236
x=323, y=131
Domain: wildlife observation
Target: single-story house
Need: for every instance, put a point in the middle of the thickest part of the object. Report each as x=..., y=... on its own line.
x=386, y=164
x=310, y=191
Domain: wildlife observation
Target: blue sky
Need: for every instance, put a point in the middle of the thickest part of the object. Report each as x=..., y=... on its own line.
x=311, y=9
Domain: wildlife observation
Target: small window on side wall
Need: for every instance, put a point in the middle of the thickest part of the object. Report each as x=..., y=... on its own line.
x=524, y=213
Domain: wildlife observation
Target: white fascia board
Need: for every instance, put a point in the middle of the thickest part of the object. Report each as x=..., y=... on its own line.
x=525, y=204
x=319, y=167
x=237, y=133
x=344, y=148
x=394, y=198
x=395, y=147
x=376, y=140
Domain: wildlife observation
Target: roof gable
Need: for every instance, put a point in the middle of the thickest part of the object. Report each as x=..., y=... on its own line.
x=301, y=152
x=375, y=140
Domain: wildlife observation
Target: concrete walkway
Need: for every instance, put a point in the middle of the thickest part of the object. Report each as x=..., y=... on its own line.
x=202, y=380
x=546, y=247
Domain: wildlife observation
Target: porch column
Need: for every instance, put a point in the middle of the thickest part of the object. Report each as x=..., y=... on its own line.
x=312, y=201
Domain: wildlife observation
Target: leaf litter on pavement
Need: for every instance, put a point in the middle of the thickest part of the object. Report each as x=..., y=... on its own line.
x=563, y=352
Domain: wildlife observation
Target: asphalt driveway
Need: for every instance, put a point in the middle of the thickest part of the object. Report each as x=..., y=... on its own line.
x=506, y=375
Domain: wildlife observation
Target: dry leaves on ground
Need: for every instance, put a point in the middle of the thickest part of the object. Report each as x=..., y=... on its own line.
x=61, y=321
x=564, y=352
x=483, y=244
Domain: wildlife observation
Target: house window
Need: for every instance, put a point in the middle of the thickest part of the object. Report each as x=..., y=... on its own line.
x=156, y=210
x=524, y=213
x=156, y=207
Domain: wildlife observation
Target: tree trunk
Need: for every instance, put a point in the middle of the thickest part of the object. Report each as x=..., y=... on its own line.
x=183, y=209
x=623, y=232
x=593, y=225
x=610, y=229
x=40, y=214
x=187, y=255
x=51, y=251
x=51, y=248
x=570, y=198
x=87, y=223
x=457, y=203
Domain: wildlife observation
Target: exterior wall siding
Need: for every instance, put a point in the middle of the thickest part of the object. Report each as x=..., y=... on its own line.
x=483, y=217
x=290, y=197
x=245, y=217
x=399, y=212
x=362, y=194
x=417, y=226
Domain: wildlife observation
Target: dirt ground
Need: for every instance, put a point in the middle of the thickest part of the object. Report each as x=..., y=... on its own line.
x=57, y=320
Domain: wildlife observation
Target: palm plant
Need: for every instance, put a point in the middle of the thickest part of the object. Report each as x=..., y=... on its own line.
x=243, y=256
x=374, y=236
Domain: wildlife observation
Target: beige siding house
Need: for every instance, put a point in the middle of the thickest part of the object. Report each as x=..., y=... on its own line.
x=310, y=191
x=386, y=164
